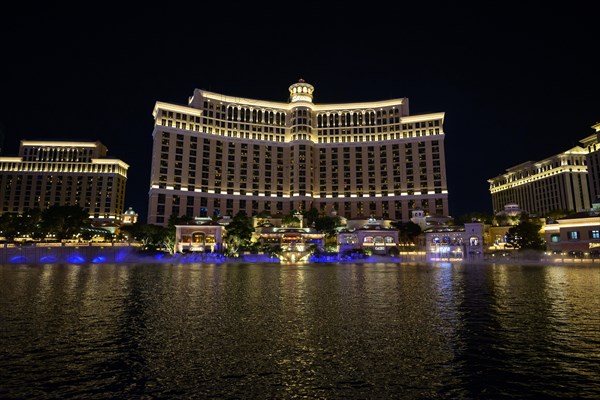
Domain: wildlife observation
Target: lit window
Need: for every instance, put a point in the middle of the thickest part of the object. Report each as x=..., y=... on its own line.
x=573, y=235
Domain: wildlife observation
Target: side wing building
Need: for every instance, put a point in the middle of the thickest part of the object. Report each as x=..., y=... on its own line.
x=65, y=173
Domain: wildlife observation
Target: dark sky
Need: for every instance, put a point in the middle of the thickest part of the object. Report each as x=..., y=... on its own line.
x=517, y=82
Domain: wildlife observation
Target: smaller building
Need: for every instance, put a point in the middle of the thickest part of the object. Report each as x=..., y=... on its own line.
x=454, y=243
x=576, y=234
x=372, y=236
x=421, y=218
x=294, y=242
x=129, y=217
x=207, y=237
x=290, y=238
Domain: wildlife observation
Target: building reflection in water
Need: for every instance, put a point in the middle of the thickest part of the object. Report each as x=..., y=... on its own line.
x=312, y=330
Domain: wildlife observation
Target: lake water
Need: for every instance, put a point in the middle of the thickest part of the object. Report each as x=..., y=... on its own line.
x=316, y=331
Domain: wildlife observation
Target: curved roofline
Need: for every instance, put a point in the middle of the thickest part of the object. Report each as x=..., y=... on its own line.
x=288, y=106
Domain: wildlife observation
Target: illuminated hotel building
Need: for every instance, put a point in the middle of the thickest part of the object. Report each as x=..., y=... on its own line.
x=557, y=183
x=592, y=145
x=219, y=155
x=63, y=173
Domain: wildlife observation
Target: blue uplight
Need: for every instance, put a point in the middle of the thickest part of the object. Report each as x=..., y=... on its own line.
x=76, y=259
x=48, y=259
x=121, y=256
x=324, y=258
x=18, y=260
x=99, y=259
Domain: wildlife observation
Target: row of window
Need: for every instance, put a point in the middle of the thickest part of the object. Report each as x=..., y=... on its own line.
x=304, y=133
x=576, y=235
x=236, y=113
x=68, y=154
x=531, y=172
x=353, y=239
x=179, y=141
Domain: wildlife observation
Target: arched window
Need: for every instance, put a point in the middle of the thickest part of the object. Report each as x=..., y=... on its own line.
x=198, y=237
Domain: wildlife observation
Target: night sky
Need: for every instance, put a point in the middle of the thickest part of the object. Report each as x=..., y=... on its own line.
x=517, y=82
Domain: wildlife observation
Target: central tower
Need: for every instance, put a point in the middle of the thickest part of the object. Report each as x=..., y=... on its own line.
x=301, y=144
x=301, y=91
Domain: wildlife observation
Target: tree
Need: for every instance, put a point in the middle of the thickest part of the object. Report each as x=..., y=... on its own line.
x=262, y=217
x=64, y=221
x=526, y=235
x=501, y=220
x=290, y=220
x=30, y=222
x=238, y=233
x=557, y=214
x=407, y=231
x=10, y=225
x=168, y=242
x=327, y=224
x=151, y=236
x=311, y=215
x=478, y=216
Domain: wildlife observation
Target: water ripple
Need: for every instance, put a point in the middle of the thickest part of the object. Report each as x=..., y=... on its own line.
x=364, y=331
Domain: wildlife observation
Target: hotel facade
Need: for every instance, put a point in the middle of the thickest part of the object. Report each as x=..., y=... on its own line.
x=219, y=155
x=65, y=173
x=592, y=146
x=557, y=183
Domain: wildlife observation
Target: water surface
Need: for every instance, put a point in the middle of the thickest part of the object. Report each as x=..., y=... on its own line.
x=321, y=331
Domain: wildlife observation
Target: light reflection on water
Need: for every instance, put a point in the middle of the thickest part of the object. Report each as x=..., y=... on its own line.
x=335, y=331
